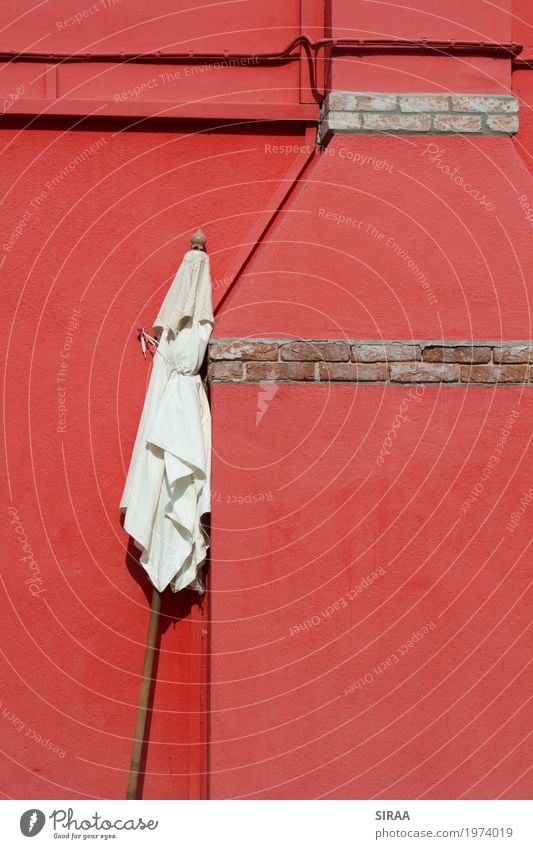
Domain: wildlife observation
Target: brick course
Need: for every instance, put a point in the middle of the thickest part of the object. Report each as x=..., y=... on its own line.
x=457, y=354
x=494, y=374
x=244, y=351
x=280, y=371
x=388, y=112
x=424, y=103
x=226, y=371
x=503, y=123
x=458, y=123
x=425, y=373
x=325, y=360
x=484, y=103
x=312, y=351
x=357, y=372
x=385, y=121
x=514, y=354
x=385, y=353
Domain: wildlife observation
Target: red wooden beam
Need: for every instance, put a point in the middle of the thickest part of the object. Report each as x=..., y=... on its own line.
x=206, y=109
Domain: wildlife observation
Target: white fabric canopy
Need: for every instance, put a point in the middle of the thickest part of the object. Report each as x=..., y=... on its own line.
x=168, y=485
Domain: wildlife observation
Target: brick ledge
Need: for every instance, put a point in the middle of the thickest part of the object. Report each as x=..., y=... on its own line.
x=418, y=112
x=346, y=361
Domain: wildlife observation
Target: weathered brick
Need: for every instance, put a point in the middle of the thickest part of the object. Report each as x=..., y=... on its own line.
x=352, y=101
x=280, y=371
x=424, y=103
x=341, y=101
x=342, y=121
x=377, y=102
x=424, y=373
x=353, y=371
x=503, y=123
x=243, y=350
x=311, y=351
x=456, y=354
x=457, y=123
x=494, y=374
x=514, y=354
x=385, y=353
x=225, y=371
x=484, y=103
x=405, y=123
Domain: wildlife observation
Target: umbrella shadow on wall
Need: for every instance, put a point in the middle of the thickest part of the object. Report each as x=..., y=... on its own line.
x=175, y=608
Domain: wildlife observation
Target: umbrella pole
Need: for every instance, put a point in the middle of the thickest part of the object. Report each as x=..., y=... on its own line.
x=144, y=696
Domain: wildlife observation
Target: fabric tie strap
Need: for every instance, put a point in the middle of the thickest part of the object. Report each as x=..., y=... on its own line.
x=144, y=338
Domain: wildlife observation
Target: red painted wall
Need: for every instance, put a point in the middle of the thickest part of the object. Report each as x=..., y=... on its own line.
x=169, y=27
x=160, y=88
x=522, y=82
x=303, y=516
x=373, y=213
x=104, y=238
x=447, y=718
x=473, y=21
x=316, y=690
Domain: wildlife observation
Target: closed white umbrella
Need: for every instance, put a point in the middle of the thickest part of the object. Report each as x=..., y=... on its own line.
x=168, y=486
x=167, y=489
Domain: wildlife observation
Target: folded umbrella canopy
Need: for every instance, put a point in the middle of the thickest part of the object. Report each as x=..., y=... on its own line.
x=168, y=486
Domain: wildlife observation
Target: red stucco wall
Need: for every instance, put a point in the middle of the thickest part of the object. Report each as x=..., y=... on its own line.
x=339, y=262
x=429, y=19
x=315, y=691
x=301, y=513
x=441, y=718
x=105, y=239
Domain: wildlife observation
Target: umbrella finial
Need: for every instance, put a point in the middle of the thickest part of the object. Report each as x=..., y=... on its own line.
x=198, y=240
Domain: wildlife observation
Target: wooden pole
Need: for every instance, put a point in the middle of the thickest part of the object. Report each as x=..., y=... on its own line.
x=144, y=697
